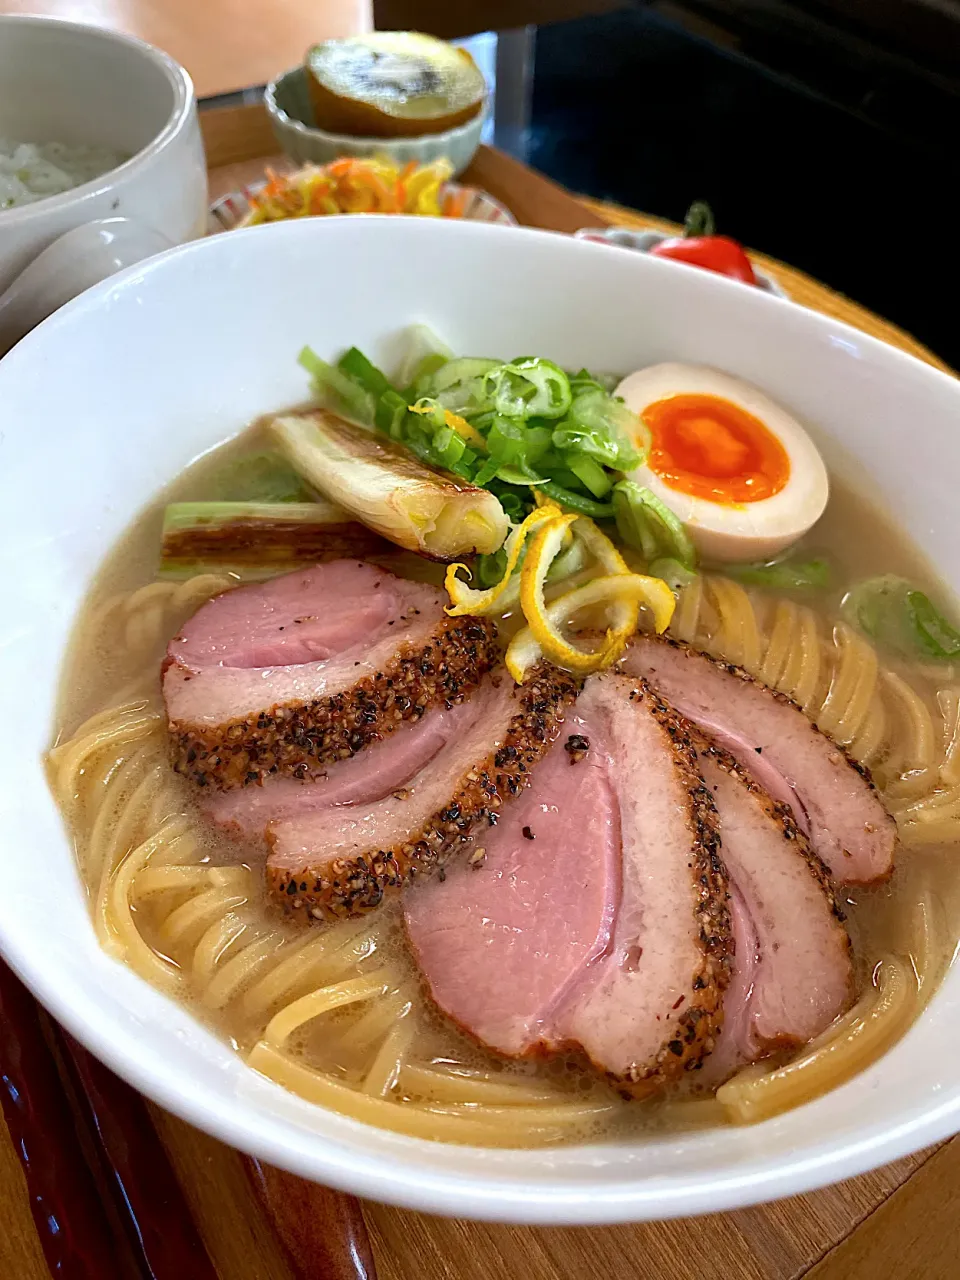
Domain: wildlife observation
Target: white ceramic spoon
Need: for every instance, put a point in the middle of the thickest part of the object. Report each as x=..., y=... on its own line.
x=74, y=262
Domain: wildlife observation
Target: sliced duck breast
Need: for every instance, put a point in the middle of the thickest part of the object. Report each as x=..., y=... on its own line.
x=339, y=861
x=379, y=770
x=792, y=968
x=598, y=919
x=833, y=799
x=287, y=675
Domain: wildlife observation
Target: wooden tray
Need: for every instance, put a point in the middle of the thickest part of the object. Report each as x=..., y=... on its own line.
x=901, y=1221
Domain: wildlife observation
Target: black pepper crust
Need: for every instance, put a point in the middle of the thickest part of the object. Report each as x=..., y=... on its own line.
x=781, y=813
x=293, y=738
x=692, y=1033
x=359, y=884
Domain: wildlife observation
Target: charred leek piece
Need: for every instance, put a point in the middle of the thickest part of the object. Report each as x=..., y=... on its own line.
x=258, y=539
x=384, y=485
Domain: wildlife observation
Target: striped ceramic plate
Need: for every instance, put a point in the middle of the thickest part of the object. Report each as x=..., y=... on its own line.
x=230, y=210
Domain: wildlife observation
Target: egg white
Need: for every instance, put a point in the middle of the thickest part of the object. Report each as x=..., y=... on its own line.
x=745, y=531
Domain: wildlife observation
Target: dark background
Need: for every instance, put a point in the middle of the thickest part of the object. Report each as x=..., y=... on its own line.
x=827, y=134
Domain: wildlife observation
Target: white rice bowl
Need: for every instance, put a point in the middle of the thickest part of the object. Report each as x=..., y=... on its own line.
x=31, y=171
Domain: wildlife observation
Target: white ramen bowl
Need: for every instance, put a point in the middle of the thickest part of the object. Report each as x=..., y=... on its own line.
x=117, y=392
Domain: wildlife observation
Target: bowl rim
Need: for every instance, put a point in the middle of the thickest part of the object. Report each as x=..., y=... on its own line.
x=323, y=1158
x=353, y=139
x=183, y=105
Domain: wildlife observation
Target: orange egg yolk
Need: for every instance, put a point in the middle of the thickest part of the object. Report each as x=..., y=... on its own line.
x=710, y=448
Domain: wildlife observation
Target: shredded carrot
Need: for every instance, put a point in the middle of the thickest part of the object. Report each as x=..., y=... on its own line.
x=455, y=203
x=273, y=186
x=318, y=198
x=351, y=185
x=344, y=165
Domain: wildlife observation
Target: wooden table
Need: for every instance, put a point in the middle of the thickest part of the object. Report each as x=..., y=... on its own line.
x=898, y=1223
x=226, y=45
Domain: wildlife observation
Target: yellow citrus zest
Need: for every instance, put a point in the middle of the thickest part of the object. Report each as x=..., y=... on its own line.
x=626, y=591
x=622, y=591
x=497, y=598
x=544, y=623
x=545, y=532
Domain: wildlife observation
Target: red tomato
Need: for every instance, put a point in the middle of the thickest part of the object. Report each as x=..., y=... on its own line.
x=712, y=253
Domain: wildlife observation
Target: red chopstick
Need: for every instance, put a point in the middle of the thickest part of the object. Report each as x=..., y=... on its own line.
x=69, y=1215
x=104, y=1196
x=137, y=1173
x=323, y=1231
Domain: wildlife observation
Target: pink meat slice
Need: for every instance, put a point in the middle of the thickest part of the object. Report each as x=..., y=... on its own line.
x=609, y=929
x=335, y=860
x=293, y=638
x=792, y=971
x=502, y=940
x=833, y=798
x=384, y=767
x=286, y=676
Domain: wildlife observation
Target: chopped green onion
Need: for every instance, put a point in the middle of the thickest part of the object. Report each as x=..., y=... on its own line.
x=424, y=354
x=529, y=389
x=488, y=470
x=422, y=382
x=449, y=446
x=507, y=440
x=590, y=474
x=538, y=441
x=568, y=562
x=356, y=366
x=488, y=570
x=459, y=385
x=783, y=575
x=672, y=572
x=462, y=370
x=429, y=412
x=513, y=505
x=463, y=468
x=336, y=390
x=604, y=428
x=391, y=413
x=513, y=475
x=594, y=444
x=939, y=638
x=583, y=380
x=890, y=610
x=576, y=501
x=649, y=526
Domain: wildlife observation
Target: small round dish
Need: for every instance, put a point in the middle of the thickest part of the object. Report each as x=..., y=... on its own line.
x=288, y=104
x=232, y=210
x=643, y=242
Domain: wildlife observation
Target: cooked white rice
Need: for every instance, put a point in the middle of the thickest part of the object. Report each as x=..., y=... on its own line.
x=30, y=172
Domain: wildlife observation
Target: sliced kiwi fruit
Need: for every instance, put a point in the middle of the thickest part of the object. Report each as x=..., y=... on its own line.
x=392, y=84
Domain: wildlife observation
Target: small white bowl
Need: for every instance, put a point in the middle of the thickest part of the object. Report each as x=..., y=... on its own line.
x=644, y=241
x=291, y=113
x=67, y=82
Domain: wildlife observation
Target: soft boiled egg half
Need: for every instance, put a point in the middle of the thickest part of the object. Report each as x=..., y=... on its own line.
x=742, y=475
